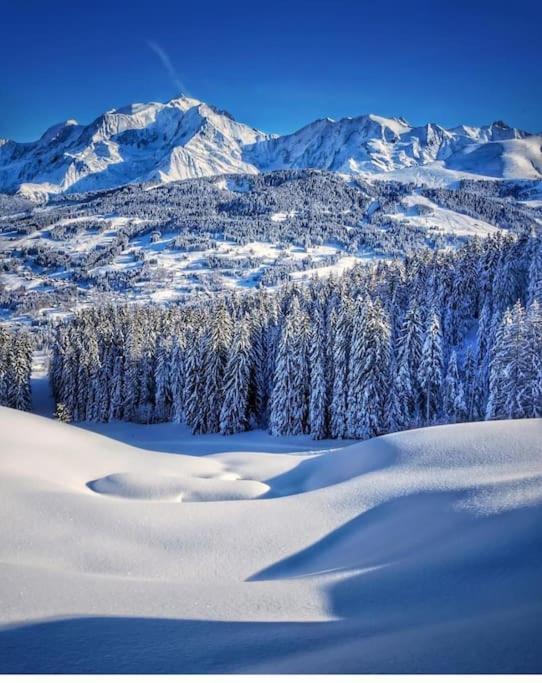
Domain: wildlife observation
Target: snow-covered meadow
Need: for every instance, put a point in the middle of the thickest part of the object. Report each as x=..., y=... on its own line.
x=412, y=552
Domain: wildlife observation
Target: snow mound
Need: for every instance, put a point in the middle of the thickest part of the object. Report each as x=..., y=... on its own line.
x=145, y=486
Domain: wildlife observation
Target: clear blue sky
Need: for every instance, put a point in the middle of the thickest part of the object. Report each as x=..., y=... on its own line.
x=276, y=64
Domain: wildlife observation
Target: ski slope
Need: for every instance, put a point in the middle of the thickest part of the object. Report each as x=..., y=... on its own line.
x=413, y=552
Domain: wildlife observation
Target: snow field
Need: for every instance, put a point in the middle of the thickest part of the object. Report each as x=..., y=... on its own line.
x=417, y=551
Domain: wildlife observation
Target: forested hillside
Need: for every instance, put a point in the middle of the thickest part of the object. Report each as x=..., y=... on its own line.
x=168, y=242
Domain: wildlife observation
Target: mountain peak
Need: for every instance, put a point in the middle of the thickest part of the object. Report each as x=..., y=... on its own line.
x=53, y=131
x=500, y=124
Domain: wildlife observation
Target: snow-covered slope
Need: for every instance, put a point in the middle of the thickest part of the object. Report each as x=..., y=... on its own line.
x=185, y=138
x=411, y=552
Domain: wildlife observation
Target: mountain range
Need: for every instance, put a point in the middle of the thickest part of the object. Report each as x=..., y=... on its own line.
x=186, y=138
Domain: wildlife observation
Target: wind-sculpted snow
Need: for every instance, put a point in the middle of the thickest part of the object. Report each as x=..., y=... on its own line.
x=414, y=552
x=177, y=488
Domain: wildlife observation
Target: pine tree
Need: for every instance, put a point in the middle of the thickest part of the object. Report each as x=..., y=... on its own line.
x=115, y=403
x=217, y=341
x=341, y=351
x=177, y=380
x=509, y=366
x=532, y=394
x=535, y=272
x=5, y=339
x=19, y=361
x=430, y=370
x=409, y=355
x=454, y=395
x=194, y=407
x=318, y=393
x=516, y=365
x=259, y=384
x=234, y=414
x=290, y=387
x=397, y=407
x=130, y=390
x=162, y=396
x=368, y=379
x=62, y=414
x=471, y=382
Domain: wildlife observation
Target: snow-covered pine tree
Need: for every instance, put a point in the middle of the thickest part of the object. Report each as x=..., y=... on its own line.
x=217, y=341
x=397, y=410
x=409, y=355
x=103, y=381
x=509, y=366
x=116, y=382
x=259, y=386
x=176, y=379
x=497, y=366
x=341, y=352
x=234, y=414
x=518, y=360
x=62, y=414
x=534, y=292
x=194, y=407
x=454, y=408
x=505, y=291
x=359, y=347
x=532, y=397
x=19, y=362
x=5, y=340
x=130, y=391
x=162, y=387
x=368, y=378
x=93, y=365
x=318, y=389
x=289, y=405
x=430, y=370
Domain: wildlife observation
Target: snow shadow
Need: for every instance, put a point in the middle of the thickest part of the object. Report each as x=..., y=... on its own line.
x=458, y=598
x=510, y=642
x=178, y=439
x=333, y=468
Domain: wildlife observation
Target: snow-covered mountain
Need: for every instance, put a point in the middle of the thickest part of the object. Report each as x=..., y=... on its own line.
x=185, y=138
x=374, y=145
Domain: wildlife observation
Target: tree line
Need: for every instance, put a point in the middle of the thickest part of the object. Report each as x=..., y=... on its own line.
x=437, y=337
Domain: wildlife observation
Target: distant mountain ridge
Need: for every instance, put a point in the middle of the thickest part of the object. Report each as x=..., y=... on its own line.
x=185, y=138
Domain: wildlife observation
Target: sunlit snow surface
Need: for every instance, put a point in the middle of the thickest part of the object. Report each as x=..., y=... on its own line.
x=412, y=552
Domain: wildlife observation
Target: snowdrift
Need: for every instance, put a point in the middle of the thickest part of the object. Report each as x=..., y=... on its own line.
x=414, y=552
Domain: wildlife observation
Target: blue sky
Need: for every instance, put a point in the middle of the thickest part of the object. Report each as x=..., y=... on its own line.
x=275, y=65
